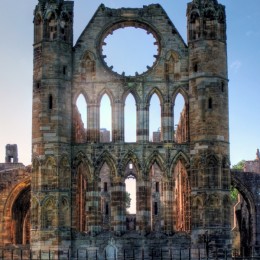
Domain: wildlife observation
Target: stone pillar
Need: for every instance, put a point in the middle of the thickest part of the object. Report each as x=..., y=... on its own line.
x=168, y=206
x=93, y=130
x=167, y=122
x=143, y=214
x=93, y=208
x=143, y=123
x=117, y=122
x=118, y=206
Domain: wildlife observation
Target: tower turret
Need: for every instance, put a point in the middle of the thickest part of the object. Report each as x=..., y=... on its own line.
x=209, y=128
x=51, y=125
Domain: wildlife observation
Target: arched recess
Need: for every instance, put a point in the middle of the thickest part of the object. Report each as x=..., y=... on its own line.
x=65, y=27
x=130, y=118
x=16, y=214
x=155, y=101
x=64, y=173
x=182, y=194
x=65, y=212
x=130, y=156
x=212, y=178
x=80, y=119
x=51, y=26
x=49, y=176
x=197, y=205
x=194, y=25
x=49, y=213
x=38, y=28
x=180, y=116
x=88, y=66
x=107, y=158
x=247, y=228
x=106, y=116
x=209, y=23
x=35, y=213
x=172, y=66
x=155, y=157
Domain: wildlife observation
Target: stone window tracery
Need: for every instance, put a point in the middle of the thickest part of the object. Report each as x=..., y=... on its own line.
x=49, y=217
x=194, y=26
x=88, y=66
x=197, y=212
x=51, y=27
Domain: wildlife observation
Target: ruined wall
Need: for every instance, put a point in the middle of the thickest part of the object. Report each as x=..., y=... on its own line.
x=15, y=204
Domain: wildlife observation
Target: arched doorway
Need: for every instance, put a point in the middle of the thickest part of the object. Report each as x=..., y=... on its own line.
x=243, y=222
x=16, y=216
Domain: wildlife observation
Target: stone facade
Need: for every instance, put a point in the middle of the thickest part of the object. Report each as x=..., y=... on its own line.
x=78, y=182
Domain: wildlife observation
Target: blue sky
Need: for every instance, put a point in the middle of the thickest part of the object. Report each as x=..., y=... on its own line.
x=243, y=34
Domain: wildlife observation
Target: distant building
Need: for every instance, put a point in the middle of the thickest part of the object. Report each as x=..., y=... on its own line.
x=104, y=135
x=253, y=166
x=157, y=136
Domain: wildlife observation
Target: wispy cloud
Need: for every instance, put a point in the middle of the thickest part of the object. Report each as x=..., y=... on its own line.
x=251, y=33
x=235, y=66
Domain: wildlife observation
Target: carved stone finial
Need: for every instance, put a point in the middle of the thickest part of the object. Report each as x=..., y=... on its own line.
x=257, y=155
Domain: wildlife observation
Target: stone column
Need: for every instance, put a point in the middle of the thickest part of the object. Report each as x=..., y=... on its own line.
x=117, y=122
x=167, y=122
x=168, y=206
x=93, y=208
x=143, y=214
x=118, y=206
x=142, y=123
x=93, y=130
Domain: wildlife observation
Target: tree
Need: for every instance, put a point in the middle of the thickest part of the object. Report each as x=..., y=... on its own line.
x=234, y=194
x=128, y=200
x=239, y=166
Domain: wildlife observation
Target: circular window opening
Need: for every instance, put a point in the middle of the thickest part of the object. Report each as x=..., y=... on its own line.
x=130, y=50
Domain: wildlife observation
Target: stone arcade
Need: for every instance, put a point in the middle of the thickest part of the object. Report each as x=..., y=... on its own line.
x=78, y=181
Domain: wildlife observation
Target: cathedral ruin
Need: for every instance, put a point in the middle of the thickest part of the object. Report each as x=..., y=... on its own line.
x=76, y=185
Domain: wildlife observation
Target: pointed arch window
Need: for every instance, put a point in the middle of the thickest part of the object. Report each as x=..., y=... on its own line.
x=80, y=119
x=130, y=119
x=194, y=31
x=155, y=134
x=180, y=114
x=105, y=119
x=38, y=28
x=52, y=27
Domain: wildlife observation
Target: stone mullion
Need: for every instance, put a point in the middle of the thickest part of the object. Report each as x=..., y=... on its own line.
x=118, y=206
x=93, y=210
x=167, y=122
x=168, y=206
x=143, y=215
x=93, y=130
x=143, y=123
x=117, y=122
